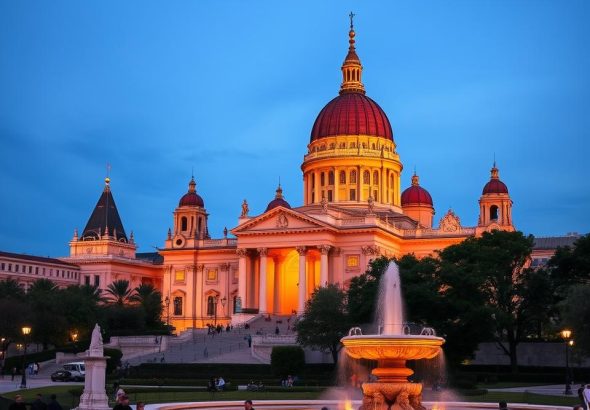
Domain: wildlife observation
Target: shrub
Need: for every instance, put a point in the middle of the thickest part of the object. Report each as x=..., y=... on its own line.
x=114, y=359
x=286, y=360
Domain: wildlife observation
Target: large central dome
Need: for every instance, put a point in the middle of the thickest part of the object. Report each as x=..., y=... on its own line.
x=351, y=113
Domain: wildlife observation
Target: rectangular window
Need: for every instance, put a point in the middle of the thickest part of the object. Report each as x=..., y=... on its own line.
x=97, y=280
x=43, y=271
x=2, y=266
x=16, y=268
x=30, y=269
x=36, y=270
x=212, y=275
x=179, y=276
x=352, y=261
x=178, y=306
x=330, y=196
x=9, y=267
x=87, y=280
x=353, y=194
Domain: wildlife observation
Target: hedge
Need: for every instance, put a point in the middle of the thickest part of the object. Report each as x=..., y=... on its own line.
x=287, y=360
x=17, y=361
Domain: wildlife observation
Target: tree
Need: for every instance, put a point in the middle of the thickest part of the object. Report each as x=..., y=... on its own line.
x=483, y=278
x=286, y=360
x=571, y=265
x=79, y=305
x=47, y=321
x=10, y=288
x=575, y=310
x=325, y=320
x=119, y=292
x=150, y=299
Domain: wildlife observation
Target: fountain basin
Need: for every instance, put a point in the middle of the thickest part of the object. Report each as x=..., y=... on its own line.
x=392, y=347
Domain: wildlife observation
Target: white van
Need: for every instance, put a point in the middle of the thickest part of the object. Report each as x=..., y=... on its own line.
x=77, y=370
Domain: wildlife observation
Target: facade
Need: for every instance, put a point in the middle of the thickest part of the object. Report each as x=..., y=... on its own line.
x=27, y=268
x=354, y=209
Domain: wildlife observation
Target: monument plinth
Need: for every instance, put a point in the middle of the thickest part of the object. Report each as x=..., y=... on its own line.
x=95, y=363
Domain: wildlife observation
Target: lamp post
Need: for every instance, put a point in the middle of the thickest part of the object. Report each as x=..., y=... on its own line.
x=566, y=334
x=26, y=330
x=2, y=351
x=167, y=304
x=216, y=300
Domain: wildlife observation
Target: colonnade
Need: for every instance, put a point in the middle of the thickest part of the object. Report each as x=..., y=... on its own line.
x=244, y=286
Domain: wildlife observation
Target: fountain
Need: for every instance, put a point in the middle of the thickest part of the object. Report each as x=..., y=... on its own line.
x=391, y=347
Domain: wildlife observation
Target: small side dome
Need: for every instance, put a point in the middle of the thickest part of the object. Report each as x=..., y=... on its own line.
x=416, y=195
x=191, y=198
x=494, y=185
x=278, y=201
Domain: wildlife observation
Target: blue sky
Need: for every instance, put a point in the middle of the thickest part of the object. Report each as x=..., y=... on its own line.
x=232, y=89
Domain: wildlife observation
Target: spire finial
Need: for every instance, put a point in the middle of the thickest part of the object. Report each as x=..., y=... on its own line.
x=352, y=69
x=107, y=179
x=279, y=191
x=192, y=185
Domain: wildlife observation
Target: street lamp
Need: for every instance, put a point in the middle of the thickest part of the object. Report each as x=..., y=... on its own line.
x=566, y=334
x=216, y=300
x=2, y=351
x=167, y=304
x=26, y=331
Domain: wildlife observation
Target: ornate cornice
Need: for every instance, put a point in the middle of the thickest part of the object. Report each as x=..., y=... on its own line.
x=301, y=250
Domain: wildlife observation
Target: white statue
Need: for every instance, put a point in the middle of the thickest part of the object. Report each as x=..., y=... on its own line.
x=96, y=345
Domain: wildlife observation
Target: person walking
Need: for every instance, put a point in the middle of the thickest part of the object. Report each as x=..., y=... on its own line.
x=13, y=373
x=587, y=396
x=53, y=404
x=248, y=405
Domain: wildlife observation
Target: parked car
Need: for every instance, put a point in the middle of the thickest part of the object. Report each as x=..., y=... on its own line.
x=61, y=376
x=77, y=370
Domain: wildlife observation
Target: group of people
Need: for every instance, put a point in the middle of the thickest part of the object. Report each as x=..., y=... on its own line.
x=122, y=400
x=213, y=330
x=216, y=384
x=38, y=404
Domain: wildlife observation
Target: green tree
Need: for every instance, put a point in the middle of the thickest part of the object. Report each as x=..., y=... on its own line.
x=10, y=288
x=79, y=305
x=324, y=321
x=571, y=265
x=483, y=280
x=48, y=324
x=575, y=310
x=286, y=360
x=150, y=299
x=119, y=292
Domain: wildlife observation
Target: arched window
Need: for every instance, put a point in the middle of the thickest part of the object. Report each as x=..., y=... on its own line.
x=331, y=178
x=322, y=179
x=332, y=145
x=199, y=231
x=343, y=145
x=353, y=145
x=373, y=146
x=494, y=213
x=183, y=223
x=312, y=180
x=211, y=306
x=366, y=177
x=342, y=177
x=178, y=306
x=353, y=177
x=375, y=177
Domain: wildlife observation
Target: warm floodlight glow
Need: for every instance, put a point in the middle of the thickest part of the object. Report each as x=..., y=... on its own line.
x=26, y=330
x=566, y=333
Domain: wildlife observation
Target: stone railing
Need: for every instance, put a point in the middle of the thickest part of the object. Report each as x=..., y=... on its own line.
x=217, y=243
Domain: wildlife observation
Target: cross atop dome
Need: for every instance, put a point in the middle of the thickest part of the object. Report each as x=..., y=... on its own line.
x=351, y=68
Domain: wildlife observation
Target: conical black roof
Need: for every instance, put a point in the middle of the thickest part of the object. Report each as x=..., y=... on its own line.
x=105, y=215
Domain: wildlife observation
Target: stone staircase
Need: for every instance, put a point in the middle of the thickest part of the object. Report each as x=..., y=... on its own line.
x=195, y=345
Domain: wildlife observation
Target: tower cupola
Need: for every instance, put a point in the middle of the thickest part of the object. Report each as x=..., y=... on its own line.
x=495, y=205
x=417, y=203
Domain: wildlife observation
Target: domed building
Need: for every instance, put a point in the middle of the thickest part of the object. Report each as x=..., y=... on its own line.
x=354, y=209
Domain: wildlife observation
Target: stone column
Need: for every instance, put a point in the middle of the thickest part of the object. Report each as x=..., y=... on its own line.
x=242, y=254
x=262, y=308
x=302, y=250
x=324, y=250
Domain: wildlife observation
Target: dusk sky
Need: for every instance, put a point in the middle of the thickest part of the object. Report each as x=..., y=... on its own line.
x=231, y=89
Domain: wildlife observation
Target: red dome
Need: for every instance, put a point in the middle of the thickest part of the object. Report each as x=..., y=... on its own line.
x=495, y=186
x=351, y=113
x=191, y=199
x=416, y=195
x=278, y=200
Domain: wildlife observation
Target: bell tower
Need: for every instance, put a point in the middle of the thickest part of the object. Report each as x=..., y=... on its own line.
x=190, y=220
x=495, y=205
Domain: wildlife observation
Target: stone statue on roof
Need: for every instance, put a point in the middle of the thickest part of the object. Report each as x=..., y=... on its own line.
x=245, y=209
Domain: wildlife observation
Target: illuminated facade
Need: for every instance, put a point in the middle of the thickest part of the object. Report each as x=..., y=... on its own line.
x=353, y=210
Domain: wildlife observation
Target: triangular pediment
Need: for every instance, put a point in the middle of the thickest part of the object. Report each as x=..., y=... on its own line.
x=280, y=219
